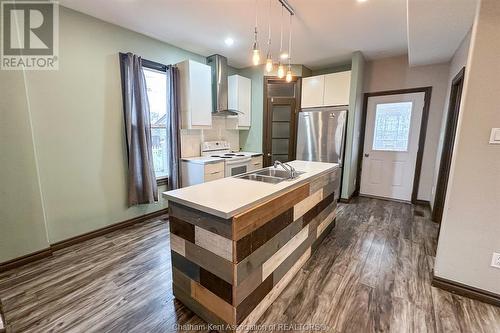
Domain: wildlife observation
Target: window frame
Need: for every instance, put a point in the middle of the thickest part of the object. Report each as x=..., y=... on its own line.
x=160, y=181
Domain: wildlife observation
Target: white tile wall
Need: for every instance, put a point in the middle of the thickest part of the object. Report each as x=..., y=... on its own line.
x=222, y=129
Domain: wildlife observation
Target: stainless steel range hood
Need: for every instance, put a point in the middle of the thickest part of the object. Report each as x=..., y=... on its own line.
x=219, y=86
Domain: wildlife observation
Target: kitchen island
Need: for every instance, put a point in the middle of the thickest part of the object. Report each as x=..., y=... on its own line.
x=237, y=243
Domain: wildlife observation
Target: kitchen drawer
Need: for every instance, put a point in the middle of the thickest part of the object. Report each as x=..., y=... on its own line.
x=212, y=168
x=213, y=175
x=256, y=163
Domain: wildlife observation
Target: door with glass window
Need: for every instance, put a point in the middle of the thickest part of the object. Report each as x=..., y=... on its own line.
x=391, y=145
x=280, y=120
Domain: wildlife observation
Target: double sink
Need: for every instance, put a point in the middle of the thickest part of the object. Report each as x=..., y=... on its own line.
x=269, y=175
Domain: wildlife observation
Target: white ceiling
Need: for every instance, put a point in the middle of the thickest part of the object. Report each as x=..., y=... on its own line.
x=436, y=28
x=325, y=32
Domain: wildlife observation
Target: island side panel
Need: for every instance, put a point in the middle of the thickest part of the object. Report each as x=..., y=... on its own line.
x=228, y=271
x=263, y=267
x=202, y=267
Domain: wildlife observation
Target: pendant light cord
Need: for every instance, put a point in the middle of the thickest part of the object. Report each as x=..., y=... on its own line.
x=256, y=22
x=290, y=41
x=269, y=29
x=281, y=31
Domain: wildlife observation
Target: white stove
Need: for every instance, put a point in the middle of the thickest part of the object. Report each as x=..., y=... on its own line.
x=235, y=163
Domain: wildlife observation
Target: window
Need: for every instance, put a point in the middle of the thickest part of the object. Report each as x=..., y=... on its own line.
x=156, y=84
x=392, y=126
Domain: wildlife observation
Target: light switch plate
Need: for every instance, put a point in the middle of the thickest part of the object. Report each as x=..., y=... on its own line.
x=495, y=260
x=495, y=136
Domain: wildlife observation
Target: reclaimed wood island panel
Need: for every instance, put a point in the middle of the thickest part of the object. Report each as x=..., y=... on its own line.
x=229, y=270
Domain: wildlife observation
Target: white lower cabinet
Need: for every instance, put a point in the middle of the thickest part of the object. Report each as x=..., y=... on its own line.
x=256, y=163
x=197, y=173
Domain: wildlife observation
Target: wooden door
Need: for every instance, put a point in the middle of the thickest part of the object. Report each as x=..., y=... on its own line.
x=448, y=144
x=280, y=120
x=391, y=145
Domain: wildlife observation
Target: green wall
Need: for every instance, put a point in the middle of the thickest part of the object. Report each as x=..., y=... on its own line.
x=63, y=170
x=22, y=220
x=353, y=126
x=251, y=140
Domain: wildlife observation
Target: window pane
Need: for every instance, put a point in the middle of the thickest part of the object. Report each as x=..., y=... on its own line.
x=280, y=146
x=281, y=130
x=392, y=126
x=281, y=112
x=156, y=84
x=281, y=90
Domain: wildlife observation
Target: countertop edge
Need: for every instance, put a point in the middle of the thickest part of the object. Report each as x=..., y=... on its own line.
x=246, y=207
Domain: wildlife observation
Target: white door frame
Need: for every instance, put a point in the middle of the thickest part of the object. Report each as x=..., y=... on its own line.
x=421, y=139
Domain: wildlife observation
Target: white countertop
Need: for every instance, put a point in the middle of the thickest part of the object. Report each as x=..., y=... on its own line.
x=203, y=159
x=210, y=159
x=230, y=196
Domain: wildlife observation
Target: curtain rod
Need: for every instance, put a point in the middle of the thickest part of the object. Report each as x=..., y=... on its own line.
x=287, y=6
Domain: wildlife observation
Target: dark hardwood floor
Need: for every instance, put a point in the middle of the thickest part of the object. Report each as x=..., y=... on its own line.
x=371, y=274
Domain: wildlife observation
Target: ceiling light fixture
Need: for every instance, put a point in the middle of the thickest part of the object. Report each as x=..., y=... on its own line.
x=229, y=41
x=255, y=52
x=283, y=55
x=269, y=57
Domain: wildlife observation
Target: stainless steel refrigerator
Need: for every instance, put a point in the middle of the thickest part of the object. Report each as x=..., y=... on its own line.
x=321, y=136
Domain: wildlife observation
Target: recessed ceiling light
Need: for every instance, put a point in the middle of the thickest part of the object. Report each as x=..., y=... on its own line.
x=229, y=41
x=362, y=0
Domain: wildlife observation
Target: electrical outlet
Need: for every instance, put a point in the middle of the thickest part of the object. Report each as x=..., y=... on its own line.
x=495, y=260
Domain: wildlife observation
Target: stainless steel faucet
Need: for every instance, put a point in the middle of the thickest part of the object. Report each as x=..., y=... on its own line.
x=292, y=173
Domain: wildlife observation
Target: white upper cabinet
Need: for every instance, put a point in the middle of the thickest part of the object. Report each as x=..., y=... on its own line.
x=337, y=88
x=195, y=94
x=326, y=90
x=313, y=89
x=240, y=98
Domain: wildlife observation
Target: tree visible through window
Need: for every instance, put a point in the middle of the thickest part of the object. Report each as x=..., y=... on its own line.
x=156, y=84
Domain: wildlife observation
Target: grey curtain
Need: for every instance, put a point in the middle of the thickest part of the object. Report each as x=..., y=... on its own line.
x=142, y=186
x=173, y=126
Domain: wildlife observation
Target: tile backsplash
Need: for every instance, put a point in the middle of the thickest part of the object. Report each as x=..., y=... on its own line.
x=222, y=129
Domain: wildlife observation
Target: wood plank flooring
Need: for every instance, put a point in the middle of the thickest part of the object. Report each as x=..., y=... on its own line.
x=372, y=273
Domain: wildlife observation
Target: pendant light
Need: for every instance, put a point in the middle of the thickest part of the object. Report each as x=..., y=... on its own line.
x=255, y=51
x=289, y=71
x=281, y=68
x=269, y=58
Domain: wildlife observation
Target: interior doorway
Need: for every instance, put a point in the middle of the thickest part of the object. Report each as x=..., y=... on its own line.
x=391, y=151
x=448, y=144
x=281, y=106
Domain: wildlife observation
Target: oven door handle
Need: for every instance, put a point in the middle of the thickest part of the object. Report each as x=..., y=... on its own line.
x=242, y=161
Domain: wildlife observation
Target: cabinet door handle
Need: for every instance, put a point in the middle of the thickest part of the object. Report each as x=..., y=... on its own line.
x=215, y=172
